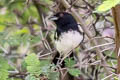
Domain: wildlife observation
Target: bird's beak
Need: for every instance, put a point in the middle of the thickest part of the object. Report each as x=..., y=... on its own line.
x=53, y=18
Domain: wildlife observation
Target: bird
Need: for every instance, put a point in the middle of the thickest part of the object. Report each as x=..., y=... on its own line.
x=67, y=36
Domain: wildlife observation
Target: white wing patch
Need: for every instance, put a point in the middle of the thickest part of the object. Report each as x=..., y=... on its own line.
x=68, y=41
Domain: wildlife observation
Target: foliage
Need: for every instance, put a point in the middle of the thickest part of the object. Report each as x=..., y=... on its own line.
x=16, y=39
x=69, y=62
x=74, y=72
x=107, y=5
x=38, y=68
x=14, y=32
x=3, y=69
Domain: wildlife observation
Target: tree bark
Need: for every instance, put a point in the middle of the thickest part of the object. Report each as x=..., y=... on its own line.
x=116, y=16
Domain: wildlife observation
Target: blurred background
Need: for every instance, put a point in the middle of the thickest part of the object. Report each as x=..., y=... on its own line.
x=27, y=40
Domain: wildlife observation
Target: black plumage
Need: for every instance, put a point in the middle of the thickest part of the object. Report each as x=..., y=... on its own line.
x=65, y=22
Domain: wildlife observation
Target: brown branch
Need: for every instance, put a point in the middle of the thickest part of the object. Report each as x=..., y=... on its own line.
x=39, y=4
x=40, y=11
x=116, y=16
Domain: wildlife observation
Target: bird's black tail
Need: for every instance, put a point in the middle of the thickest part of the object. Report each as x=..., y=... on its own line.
x=57, y=58
x=62, y=65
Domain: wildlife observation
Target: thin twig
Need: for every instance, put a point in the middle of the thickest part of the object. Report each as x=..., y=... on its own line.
x=97, y=46
x=107, y=77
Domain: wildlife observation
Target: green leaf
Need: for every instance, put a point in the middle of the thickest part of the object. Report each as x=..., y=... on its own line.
x=108, y=4
x=3, y=69
x=2, y=28
x=36, y=67
x=35, y=70
x=31, y=77
x=53, y=76
x=16, y=4
x=32, y=60
x=74, y=72
x=22, y=31
x=33, y=64
x=35, y=39
x=25, y=38
x=3, y=74
x=69, y=62
x=7, y=18
x=116, y=78
x=3, y=63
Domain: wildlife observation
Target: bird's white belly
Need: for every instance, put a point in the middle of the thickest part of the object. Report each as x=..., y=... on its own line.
x=68, y=41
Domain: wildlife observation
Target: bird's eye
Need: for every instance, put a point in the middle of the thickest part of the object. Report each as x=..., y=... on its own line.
x=61, y=15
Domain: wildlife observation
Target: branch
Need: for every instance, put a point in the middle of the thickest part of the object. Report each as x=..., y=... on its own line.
x=116, y=16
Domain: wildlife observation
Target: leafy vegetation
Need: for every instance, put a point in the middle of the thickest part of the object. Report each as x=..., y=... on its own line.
x=107, y=5
x=26, y=40
x=70, y=63
x=38, y=68
x=3, y=69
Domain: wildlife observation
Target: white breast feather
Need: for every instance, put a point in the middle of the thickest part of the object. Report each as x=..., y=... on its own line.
x=68, y=41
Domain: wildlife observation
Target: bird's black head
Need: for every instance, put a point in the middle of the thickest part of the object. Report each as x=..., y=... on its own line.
x=63, y=19
x=65, y=22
